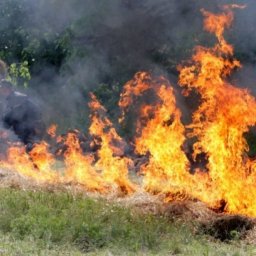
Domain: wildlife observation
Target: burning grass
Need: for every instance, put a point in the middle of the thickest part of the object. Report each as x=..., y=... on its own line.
x=206, y=160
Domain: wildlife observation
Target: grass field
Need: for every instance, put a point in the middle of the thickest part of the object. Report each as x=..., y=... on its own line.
x=59, y=223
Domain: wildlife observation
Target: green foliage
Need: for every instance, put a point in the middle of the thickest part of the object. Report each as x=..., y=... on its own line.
x=19, y=74
x=27, y=34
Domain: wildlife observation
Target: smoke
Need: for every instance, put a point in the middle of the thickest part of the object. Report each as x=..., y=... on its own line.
x=108, y=41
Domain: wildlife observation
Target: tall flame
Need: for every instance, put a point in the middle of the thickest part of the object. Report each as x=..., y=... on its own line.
x=225, y=114
x=114, y=167
x=162, y=136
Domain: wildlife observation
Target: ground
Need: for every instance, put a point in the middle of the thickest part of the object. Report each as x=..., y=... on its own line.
x=45, y=220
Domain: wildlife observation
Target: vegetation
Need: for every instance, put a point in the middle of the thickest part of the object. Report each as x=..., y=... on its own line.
x=48, y=223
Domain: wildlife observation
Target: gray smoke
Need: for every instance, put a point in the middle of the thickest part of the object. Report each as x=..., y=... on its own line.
x=111, y=40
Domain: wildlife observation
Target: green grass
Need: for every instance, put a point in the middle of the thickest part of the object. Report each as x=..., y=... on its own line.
x=44, y=223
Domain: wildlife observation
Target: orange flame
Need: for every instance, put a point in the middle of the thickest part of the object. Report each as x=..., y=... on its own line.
x=36, y=165
x=114, y=167
x=135, y=87
x=80, y=167
x=221, y=120
x=52, y=130
x=163, y=137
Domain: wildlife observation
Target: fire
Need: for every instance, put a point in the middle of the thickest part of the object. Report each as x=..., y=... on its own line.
x=167, y=163
x=225, y=177
x=114, y=167
x=225, y=114
x=36, y=165
x=79, y=167
x=161, y=134
x=133, y=88
x=163, y=137
x=107, y=172
x=52, y=130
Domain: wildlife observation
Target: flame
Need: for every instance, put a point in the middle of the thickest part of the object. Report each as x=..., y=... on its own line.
x=134, y=87
x=36, y=165
x=79, y=167
x=110, y=170
x=225, y=114
x=162, y=137
x=161, y=134
x=114, y=167
x=52, y=130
